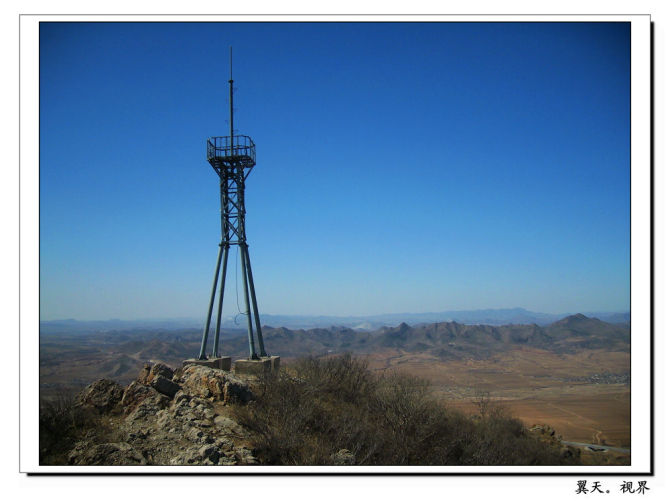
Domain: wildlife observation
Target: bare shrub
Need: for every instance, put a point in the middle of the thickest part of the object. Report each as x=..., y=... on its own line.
x=304, y=416
x=483, y=402
x=61, y=422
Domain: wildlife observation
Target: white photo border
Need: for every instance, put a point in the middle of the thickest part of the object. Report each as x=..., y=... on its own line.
x=641, y=264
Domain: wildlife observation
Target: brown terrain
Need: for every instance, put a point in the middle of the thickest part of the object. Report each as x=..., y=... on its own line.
x=582, y=396
x=573, y=375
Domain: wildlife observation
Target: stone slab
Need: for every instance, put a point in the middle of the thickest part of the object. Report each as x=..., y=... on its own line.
x=221, y=363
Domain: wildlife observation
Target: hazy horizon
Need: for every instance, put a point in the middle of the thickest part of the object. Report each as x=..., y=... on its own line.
x=202, y=318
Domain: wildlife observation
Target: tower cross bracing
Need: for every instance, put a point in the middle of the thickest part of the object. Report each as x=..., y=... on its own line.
x=232, y=158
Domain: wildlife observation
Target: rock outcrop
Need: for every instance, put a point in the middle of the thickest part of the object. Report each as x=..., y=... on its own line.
x=84, y=453
x=167, y=417
x=212, y=383
x=135, y=394
x=102, y=396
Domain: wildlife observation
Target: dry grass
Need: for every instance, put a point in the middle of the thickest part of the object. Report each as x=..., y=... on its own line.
x=304, y=416
x=61, y=424
x=536, y=386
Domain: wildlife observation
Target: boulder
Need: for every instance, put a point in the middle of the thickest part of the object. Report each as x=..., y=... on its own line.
x=159, y=369
x=102, y=395
x=216, y=384
x=165, y=386
x=143, y=377
x=105, y=454
x=149, y=372
x=134, y=394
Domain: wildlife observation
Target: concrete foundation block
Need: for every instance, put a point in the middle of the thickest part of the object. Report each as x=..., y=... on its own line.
x=274, y=363
x=221, y=363
x=257, y=367
x=253, y=367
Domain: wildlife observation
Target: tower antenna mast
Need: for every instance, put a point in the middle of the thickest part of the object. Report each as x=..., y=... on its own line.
x=230, y=85
x=232, y=158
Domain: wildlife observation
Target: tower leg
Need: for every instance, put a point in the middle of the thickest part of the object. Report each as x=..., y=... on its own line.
x=215, y=352
x=205, y=333
x=250, y=331
x=257, y=318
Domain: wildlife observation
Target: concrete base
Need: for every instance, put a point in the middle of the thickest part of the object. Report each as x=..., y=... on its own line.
x=257, y=367
x=221, y=363
x=274, y=363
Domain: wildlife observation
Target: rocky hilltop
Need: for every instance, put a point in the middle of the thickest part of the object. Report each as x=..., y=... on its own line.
x=165, y=417
x=328, y=411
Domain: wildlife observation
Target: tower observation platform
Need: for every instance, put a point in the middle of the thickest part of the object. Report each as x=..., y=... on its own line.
x=222, y=153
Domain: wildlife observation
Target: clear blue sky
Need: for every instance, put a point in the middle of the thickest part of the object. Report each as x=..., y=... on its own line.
x=400, y=167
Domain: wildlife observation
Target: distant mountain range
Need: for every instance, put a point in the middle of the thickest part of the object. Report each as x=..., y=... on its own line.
x=446, y=340
x=77, y=358
x=492, y=317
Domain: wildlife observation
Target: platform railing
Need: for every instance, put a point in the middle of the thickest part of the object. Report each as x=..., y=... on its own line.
x=242, y=148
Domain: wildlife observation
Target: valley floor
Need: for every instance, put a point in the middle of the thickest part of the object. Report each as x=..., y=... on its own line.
x=585, y=397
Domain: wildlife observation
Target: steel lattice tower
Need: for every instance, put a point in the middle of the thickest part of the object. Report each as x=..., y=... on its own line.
x=233, y=157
